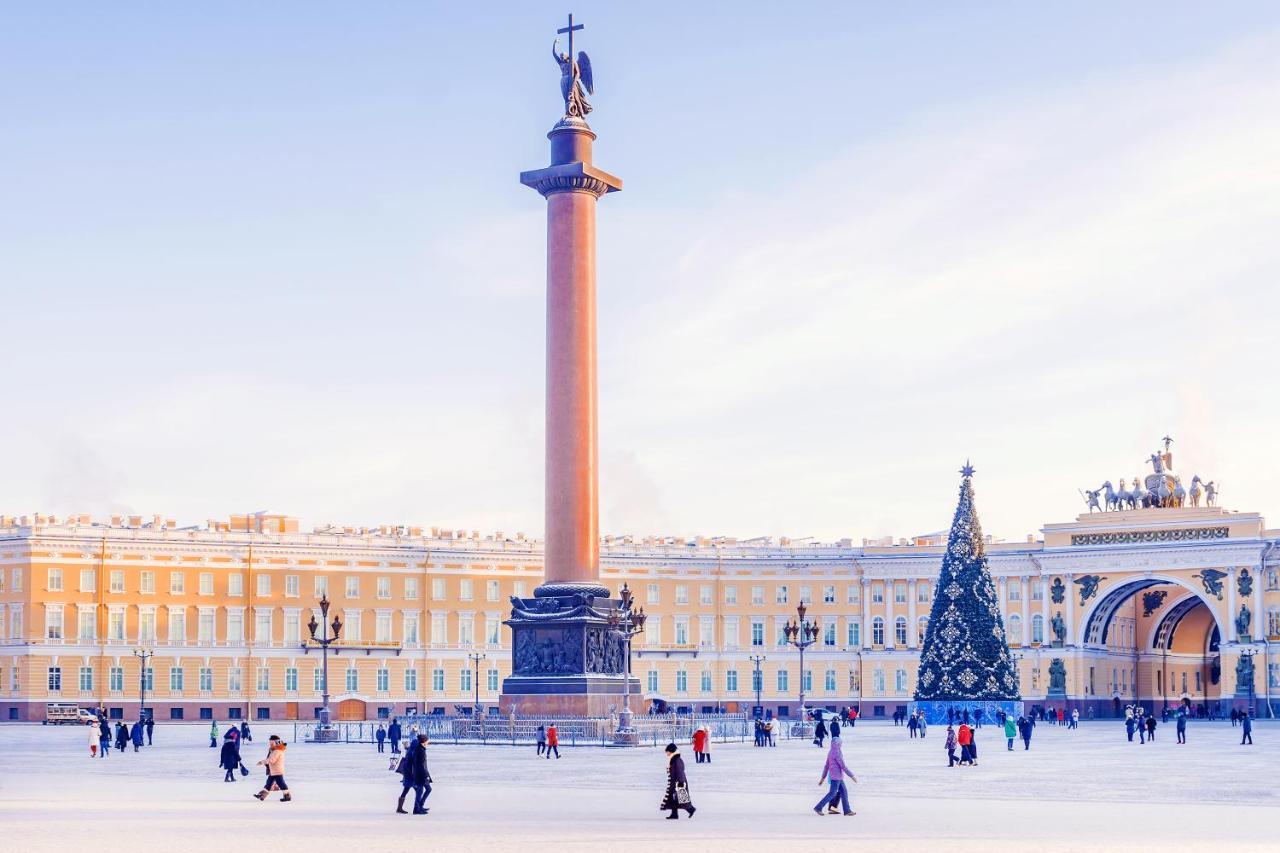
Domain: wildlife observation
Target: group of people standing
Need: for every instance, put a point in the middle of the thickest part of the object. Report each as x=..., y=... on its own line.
x=102, y=735
x=548, y=740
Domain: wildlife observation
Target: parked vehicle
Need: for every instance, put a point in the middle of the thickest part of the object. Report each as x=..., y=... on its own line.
x=57, y=713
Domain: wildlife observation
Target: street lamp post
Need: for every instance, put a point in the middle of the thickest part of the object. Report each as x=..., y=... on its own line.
x=324, y=733
x=625, y=624
x=757, y=679
x=145, y=655
x=802, y=635
x=475, y=658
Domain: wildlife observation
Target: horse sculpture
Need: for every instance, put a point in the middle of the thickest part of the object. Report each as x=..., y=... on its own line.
x=1179, y=493
x=1195, y=490
x=1110, y=497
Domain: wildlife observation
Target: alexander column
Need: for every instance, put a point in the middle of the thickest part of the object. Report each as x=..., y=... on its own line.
x=565, y=658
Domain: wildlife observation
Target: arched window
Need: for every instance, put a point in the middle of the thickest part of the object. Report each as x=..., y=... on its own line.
x=877, y=631
x=1037, y=628
x=1015, y=630
x=922, y=626
x=900, y=631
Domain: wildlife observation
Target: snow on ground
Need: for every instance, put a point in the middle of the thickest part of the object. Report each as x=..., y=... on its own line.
x=1087, y=789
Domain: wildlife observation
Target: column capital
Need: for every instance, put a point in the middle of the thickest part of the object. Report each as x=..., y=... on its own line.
x=571, y=177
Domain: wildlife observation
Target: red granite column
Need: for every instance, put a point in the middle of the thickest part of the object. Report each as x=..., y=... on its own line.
x=571, y=186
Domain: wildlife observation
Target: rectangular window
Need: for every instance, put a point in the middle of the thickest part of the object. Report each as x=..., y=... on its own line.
x=206, y=628
x=705, y=686
x=88, y=627
x=900, y=593
x=491, y=591
x=437, y=680
x=410, y=630
x=829, y=634
x=55, y=580
x=321, y=583
x=651, y=681
x=353, y=679
x=206, y=679
x=682, y=632
x=900, y=680
x=783, y=681
x=264, y=585
x=806, y=678
x=780, y=594
x=437, y=589
x=757, y=632
x=262, y=627
x=853, y=594
x=146, y=626
x=877, y=593
x=235, y=627
x=235, y=680
x=149, y=678
x=829, y=681
x=651, y=594
x=291, y=679
x=757, y=595
x=55, y=679
x=682, y=594
x=176, y=679
x=17, y=581
x=117, y=580
x=464, y=589
x=115, y=625
x=877, y=681
x=293, y=628
x=86, y=679
x=1015, y=591
x=493, y=681
x=88, y=580
x=757, y=680
x=1037, y=591
x=115, y=679
x=492, y=631
x=235, y=584
x=290, y=586
x=410, y=680
x=517, y=589
x=178, y=626
x=466, y=631
x=464, y=680
x=439, y=628
x=384, y=680
x=730, y=595
x=705, y=594
x=382, y=628
x=147, y=582
x=351, y=631
x=922, y=592
x=854, y=632
x=206, y=583
x=317, y=680
x=53, y=622
x=384, y=588
x=411, y=589
x=731, y=681
x=682, y=681
x=829, y=594
x=806, y=595
x=353, y=586
x=177, y=583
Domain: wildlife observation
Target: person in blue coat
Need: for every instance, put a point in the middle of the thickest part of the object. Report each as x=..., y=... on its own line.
x=135, y=735
x=229, y=760
x=1246, y=724
x=394, y=735
x=381, y=736
x=104, y=736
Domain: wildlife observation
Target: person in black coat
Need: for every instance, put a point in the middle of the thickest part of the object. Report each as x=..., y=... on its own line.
x=229, y=759
x=381, y=736
x=104, y=735
x=151, y=727
x=819, y=733
x=413, y=770
x=393, y=735
x=245, y=735
x=122, y=737
x=677, y=785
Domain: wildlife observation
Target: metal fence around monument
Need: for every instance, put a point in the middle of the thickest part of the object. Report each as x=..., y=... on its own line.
x=651, y=730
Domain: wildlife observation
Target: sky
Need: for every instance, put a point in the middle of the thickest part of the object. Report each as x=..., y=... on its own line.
x=277, y=257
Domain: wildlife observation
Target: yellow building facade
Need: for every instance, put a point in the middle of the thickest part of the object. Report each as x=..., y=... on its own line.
x=1135, y=605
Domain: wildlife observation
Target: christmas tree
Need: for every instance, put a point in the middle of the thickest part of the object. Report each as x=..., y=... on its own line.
x=966, y=653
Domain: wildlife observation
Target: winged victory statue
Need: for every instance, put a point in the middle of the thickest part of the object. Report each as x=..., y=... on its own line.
x=575, y=80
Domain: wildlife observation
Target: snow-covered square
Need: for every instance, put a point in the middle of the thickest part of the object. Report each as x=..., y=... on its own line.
x=1087, y=789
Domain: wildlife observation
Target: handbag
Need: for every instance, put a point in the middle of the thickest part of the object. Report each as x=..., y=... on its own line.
x=244, y=771
x=682, y=795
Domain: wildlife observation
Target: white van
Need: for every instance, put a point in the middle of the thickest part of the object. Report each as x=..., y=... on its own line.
x=57, y=713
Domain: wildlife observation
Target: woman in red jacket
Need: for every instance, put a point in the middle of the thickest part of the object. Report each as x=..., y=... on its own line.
x=964, y=737
x=699, y=743
x=553, y=741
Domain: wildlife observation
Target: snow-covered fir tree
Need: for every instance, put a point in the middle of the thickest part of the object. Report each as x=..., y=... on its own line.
x=966, y=653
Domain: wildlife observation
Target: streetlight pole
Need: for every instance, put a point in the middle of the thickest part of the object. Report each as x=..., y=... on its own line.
x=324, y=733
x=625, y=624
x=758, y=679
x=802, y=635
x=145, y=655
x=475, y=658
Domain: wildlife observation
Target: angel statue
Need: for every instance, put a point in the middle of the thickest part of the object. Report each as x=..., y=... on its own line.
x=575, y=81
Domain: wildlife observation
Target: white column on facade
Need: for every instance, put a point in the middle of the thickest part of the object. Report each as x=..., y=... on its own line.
x=1258, y=624
x=866, y=614
x=888, y=613
x=1044, y=608
x=911, y=614
x=1070, y=607
x=1026, y=611
x=1232, y=608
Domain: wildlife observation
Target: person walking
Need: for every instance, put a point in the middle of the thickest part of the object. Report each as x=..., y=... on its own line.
x=94, y=737
x=1025, y=727
x=833, y=772
x=542, y=739
x=229, y=758
x=924, y=724
x=213, y=734
x=246, y=736
x=151, y=727
x=699, y=739
x=853, y=717
x=104, y=736
x=677, y=796
x=1075, y=718
x=973, y=746
x=122, y=737
x=769, y=725
x=381, y=736
x=950, y=746
x=1246, y=725
x=1235, y=717
x=1129, y=725
x=819, y=732
x=393, y=734
x=413, y=770
x=274, y=762
x=135, y=735
x=913, y=725
x=706, y=745
x=1151, y=728
x=553, y=741
x=1181, y=725
x=1010, y=731
x=964, y=736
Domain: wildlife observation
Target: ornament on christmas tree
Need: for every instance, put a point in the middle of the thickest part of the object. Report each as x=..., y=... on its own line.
x=965, y=656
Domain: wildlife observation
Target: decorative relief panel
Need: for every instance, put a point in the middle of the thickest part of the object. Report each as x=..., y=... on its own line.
x=1135, y=537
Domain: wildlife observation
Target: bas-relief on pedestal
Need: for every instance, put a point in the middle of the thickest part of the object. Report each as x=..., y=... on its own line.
x=565, y=659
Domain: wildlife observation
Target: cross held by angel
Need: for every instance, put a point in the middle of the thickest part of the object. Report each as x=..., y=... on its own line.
x=575, y=75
